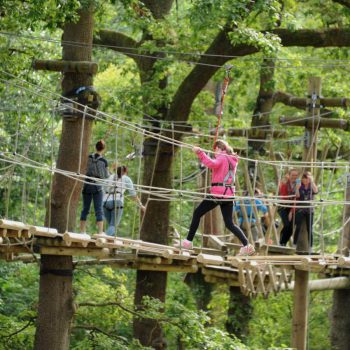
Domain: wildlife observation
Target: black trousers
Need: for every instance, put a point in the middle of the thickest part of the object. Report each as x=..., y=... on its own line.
x=226, y=210
x=300, y=216
x=287, y=229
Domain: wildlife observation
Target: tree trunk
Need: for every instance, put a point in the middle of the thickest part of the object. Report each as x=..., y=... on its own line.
x=264, y=103
x=55, y=309
x=340, y=320
x=201, y=290
x=239, y=313
x=154, y=229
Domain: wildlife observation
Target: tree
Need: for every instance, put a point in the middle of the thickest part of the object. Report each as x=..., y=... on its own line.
x=56, y=307
x=233, y=39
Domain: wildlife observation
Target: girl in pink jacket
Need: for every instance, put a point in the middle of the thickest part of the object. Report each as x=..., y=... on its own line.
x=221, y=193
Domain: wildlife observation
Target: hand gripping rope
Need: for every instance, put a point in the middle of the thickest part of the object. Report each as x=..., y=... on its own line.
x=223, y=93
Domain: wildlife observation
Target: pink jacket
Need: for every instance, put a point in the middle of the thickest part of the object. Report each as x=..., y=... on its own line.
x=220, y=168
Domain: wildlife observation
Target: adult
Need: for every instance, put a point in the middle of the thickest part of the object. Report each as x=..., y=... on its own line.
x=113, y=200
x=286, y=191
x=305, y=211
x=221, y=193
x=97, y=168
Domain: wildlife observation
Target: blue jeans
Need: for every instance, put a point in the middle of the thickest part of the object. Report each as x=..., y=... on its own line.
x=97, y=197
x=113, y=211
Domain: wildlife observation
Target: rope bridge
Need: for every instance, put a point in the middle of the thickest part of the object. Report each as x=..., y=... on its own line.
x=255, y=275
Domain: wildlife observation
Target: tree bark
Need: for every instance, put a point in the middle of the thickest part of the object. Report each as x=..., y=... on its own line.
x=264, y=104
x=158, y=159
x=340, y=320
x=55, y=309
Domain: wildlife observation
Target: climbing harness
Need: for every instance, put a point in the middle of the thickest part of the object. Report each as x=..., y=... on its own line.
x=230, y=174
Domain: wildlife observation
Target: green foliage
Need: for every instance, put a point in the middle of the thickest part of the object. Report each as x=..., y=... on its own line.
x=36, y=14
x=179, y=38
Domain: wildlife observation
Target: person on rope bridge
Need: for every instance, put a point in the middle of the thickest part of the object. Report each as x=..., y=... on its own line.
x=97, y=168
x=251, y=219
x=221, y=193
x=113, y=200
x=287, y=190
x=305, y=192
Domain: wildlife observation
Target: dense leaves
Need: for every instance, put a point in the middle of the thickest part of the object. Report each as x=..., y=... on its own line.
x=30, y=130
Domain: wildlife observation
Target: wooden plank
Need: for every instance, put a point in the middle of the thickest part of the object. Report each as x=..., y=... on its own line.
x=216, y=243
x=14, y=225
x=83, y=238
x=344, y=261
x=68, y=251
x=210, y=259
x=44, y=231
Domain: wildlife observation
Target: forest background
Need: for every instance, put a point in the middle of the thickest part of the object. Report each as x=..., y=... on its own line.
x=152, y=72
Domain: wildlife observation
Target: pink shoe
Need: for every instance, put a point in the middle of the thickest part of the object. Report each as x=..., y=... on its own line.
x=246, y=250
x=184, y=244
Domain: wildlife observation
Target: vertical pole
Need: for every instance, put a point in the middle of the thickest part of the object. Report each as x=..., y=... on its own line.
x=300, y=310
x=310, y=143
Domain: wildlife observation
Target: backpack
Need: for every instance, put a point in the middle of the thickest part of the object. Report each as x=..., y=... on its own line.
x=96, y=167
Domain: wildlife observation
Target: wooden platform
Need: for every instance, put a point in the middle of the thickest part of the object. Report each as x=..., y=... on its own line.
x=258, y=274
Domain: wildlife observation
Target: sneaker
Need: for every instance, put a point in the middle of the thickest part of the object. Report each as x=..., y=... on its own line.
x=246, y=250
x=184, y=244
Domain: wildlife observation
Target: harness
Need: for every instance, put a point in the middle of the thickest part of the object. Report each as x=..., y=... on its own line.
x=230, y=174
x=114, y=194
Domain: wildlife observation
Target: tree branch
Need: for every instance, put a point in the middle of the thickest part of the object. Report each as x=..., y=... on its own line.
x=134, y=313
x=99, y=330
x=343, y=2
x=118, y=42
x=221, y=45
x=29, y=323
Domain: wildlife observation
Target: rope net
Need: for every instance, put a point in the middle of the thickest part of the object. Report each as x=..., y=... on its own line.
x=29, y=145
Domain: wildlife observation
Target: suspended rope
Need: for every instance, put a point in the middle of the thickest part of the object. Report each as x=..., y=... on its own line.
x=79, y=166
x=220, y=101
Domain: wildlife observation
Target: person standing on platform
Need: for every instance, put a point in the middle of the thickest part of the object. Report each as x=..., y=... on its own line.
x=305, y=192
x=97, y=168
x=221, y=193
x=113, y=201
x=287, y=191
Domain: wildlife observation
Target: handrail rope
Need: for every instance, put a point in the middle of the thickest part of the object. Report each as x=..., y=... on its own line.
x=169, y=140
x=272, y=199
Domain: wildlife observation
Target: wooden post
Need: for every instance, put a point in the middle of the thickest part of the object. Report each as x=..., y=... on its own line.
x=300, y=310
x=310, y=146
x=299, y=328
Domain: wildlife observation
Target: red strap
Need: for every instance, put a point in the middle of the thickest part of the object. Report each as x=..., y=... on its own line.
x=223, y=93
